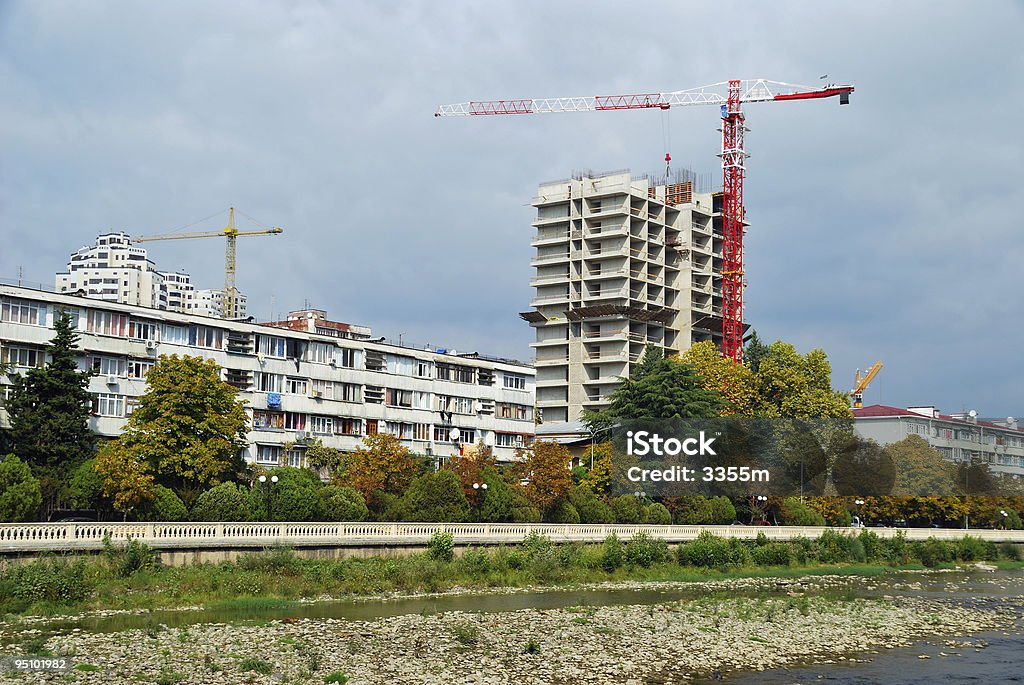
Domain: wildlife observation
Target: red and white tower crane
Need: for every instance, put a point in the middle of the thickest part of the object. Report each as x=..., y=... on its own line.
x=729, y=95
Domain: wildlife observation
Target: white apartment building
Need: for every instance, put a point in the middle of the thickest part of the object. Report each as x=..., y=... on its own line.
x=621, y=262
x=959, y=437
x=300, y=383
x=114, y=270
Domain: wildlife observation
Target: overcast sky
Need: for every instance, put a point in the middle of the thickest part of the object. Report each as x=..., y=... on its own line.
x=888, y=229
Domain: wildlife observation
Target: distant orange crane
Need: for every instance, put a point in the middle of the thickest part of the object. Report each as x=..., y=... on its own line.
x=860, y=384
x=230, y=310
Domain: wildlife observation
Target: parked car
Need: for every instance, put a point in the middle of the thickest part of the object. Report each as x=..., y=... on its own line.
x=856, y=522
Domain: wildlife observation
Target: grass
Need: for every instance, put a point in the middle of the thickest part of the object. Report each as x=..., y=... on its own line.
x=275, y=581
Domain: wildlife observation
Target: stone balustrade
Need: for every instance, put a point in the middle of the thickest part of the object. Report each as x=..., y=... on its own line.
x=73, y=537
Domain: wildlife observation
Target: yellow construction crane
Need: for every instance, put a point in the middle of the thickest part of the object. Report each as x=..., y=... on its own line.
x=231, y=233
x=860, y=384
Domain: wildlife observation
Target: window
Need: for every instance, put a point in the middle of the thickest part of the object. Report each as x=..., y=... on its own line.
x=267, y=420
x=174, y=335
x=295, y=386
x=324, y=425
x=320, y=352
x=138, y=368
x=108, y=366
x=295, y=457
x=403, y=366
x=131, y=404
x=515, y=381
x=205, y=336
x=322, y=388
x=270, y=346
x=23, y=311
x=421, y=432
x=349, y=426
x=508, y=440
x=421, y=400
x=141, y=330
x=443, y=434
x=516, y=412
x=22, y=356
x=402, y=431
x=455, y=373
x=268, y=454
x=348, y=358
x=349, y=392
x=398, y=398
x=294, y=422
x=107, y=323
x=422, y=369
x=110, y=405
x=268, y=382
x=455, y=405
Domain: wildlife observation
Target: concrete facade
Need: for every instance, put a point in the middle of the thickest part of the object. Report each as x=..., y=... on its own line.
x=621, y=262
x=959, y=437
x=300, y=384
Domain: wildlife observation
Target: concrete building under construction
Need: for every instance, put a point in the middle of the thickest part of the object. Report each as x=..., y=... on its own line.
x=622, y=261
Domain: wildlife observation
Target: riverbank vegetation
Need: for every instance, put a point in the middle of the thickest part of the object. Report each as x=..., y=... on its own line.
x=130, y=577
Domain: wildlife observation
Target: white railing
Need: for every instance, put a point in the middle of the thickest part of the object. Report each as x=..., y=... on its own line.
x=39, y=537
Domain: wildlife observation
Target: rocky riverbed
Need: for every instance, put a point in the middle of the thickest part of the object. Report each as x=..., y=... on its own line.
x=672, y=642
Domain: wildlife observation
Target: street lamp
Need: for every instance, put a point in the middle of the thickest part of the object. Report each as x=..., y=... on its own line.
x=860, y=503
x=1005, y=517
x=266, y=488
x=762, y=502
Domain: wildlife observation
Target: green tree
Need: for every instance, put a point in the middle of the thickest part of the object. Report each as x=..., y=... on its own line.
x=381, y=466
x=921, y=470
x=339, y=503
x=660, y=388
x=85, y=487
x=225, y=502
x=503, y=503
x=792, y=385
x=20, y=494
x=128, y=479
x=599, y=475
x=325, y=460
x=733, y=382
x=189, y=428
x=434, y=497
x=165, y=506
x=754, y=352
x=48, y=410
x=590, y=508
x=294, y=497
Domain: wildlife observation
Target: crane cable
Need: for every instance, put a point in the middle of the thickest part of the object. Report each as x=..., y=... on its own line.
x=666, y=140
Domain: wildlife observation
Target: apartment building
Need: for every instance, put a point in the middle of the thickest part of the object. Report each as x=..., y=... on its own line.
x=622, y=261
x=114, y=270
x=961, y=437
x=304, y=378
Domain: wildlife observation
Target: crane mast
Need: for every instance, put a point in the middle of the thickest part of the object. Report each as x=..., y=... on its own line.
x=231, y=234
x=729, y=95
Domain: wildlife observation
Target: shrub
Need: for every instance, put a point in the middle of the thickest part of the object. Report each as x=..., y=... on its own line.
x=475, y=561
x=590, y=508
x=294, y=497
x=165, y=506
x=772, y=554
x=340, y=503
x=796, y=513
x=53, y=580
x=277, y=560
x=658, y=514
x=20, y=492
x=434, y=497
x=873, y=548
x=834, y=547
x=896, y=548
x=129, y=558
x=336, y=677
x=441, y=546
x=722, y=510
x=695, y=510
x=933, y=552
x=975, y=549
x=1010, y=550
x=255, y=664
x=643, y=550
x=612, y=555
x=628, y=509
x=707, y=551
x=225, y=502
x=564, y=512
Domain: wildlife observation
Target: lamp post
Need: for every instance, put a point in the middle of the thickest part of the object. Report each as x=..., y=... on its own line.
x=1005, y=517
x=266, y=488
x=593, y=442
x=762, y=502
x=479, y=490
x=860, y=503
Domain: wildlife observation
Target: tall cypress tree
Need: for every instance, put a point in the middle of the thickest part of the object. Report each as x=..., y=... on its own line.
x=49, y=412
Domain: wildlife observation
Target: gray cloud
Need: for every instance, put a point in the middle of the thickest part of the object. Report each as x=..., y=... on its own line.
x=885, y=229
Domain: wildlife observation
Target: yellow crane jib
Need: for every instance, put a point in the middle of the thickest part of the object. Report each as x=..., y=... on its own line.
x=230, y=262
x=860, y=384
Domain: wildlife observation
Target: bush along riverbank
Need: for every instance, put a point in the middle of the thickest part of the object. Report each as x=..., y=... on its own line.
x=129, y=577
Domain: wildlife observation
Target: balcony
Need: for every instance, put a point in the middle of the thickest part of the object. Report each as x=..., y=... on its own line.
x=540, y=239
x=549, y=259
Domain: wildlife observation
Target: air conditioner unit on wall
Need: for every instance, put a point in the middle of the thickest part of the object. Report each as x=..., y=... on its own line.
x=111, y=380
x=151, y=344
